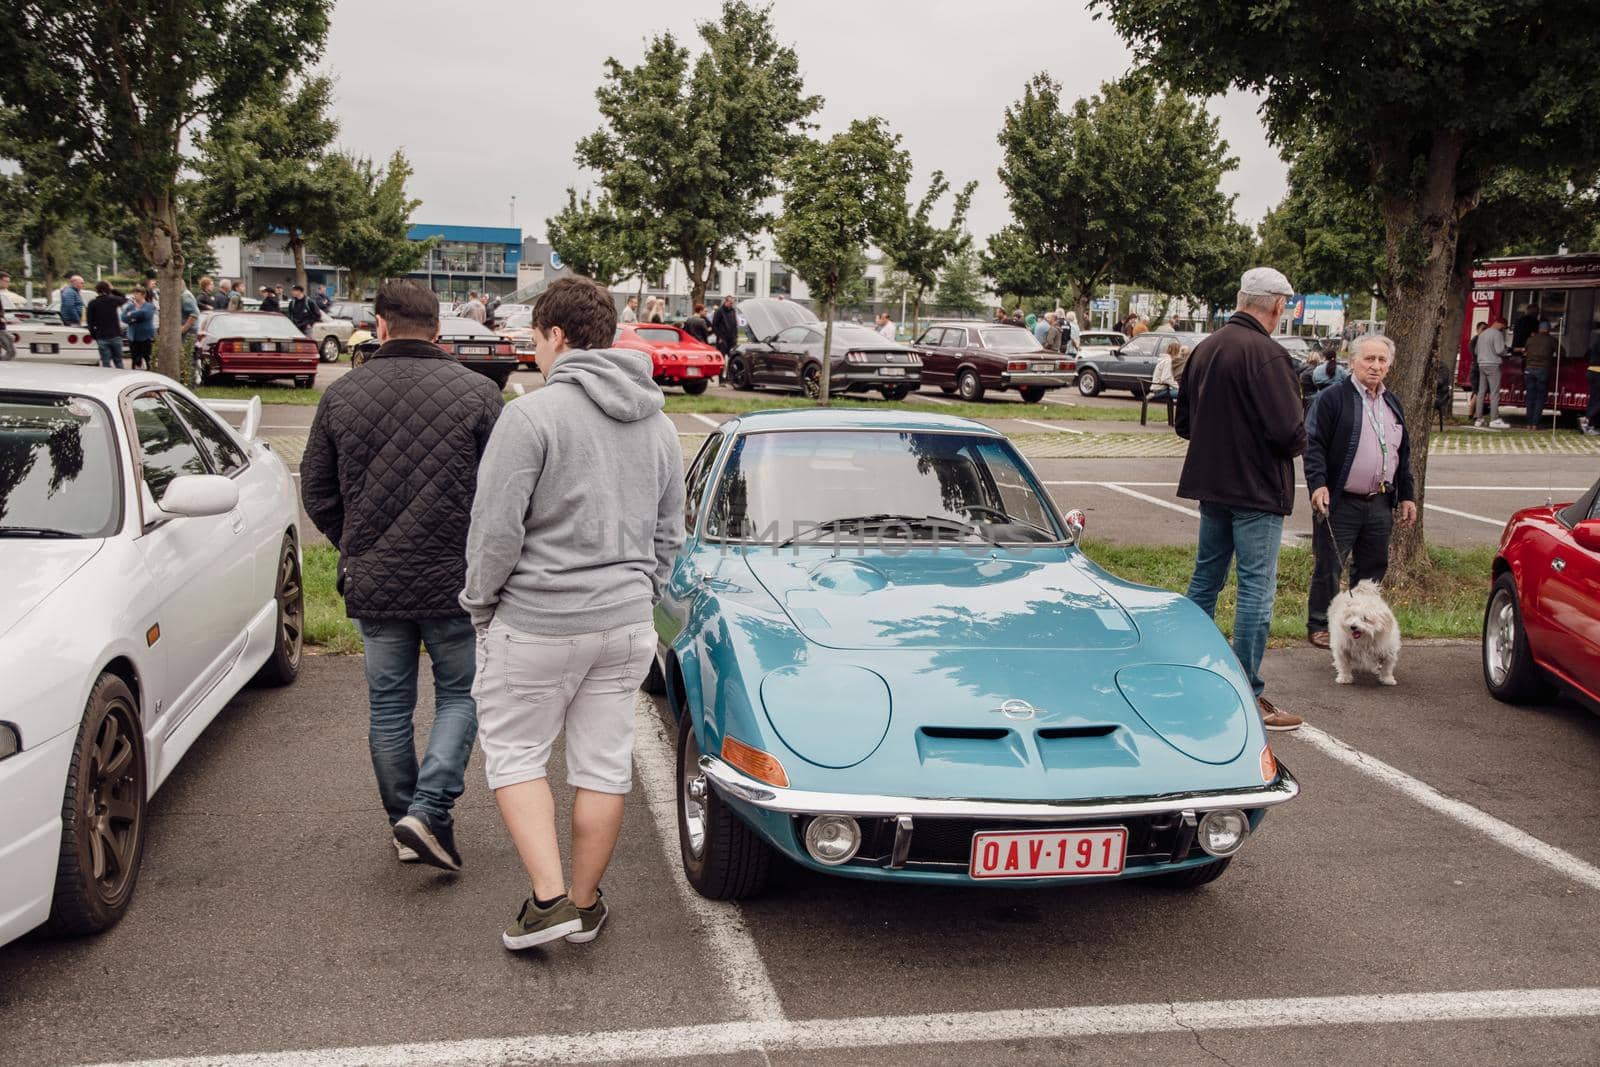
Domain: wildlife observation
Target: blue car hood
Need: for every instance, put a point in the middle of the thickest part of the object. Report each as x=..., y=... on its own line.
x=946, y=599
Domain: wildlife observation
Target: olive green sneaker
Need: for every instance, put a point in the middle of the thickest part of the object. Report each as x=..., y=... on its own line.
x=536, y=925
x=592, y=918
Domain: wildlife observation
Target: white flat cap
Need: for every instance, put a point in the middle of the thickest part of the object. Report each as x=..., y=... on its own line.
x=1265, y=281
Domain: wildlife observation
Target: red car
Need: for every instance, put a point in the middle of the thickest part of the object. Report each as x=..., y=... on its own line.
x=252, y=344
x=679, y=359
x=1542, y=626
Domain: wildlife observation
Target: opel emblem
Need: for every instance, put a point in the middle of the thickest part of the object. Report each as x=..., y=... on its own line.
x=1017, y=709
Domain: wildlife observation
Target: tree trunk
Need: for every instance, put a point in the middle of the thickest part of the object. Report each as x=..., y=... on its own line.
x=1422, y=228
x=916, y=315
x=1081, y=295
x=297, y=245
x=158, y=239
x=827, y=352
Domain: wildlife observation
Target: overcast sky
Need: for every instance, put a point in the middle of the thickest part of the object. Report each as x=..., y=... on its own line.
x=488, y=98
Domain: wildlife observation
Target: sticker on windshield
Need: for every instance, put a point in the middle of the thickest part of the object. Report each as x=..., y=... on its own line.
x=80, y=409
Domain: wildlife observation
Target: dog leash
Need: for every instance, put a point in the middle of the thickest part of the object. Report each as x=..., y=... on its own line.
x=1344, y=561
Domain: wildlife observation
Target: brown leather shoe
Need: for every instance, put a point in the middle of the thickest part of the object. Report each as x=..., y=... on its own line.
x=1318, y=638
x=1275, y=719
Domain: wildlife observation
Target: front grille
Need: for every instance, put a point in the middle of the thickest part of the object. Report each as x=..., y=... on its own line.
x=1151, y=838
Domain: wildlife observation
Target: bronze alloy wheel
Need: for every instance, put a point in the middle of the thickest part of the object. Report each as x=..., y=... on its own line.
x=811, y=380
x=283, y=666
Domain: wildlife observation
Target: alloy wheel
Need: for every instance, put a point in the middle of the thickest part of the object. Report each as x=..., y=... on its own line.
x=1500, y=637
x=291, y=605
x=811, y=381
x=113, y=806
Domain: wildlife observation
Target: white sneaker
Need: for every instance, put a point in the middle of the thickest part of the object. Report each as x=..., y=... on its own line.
x=405, y=854
x=1590, y=431
x=1477, y=424
x=1499, y=424
x=1583, y=422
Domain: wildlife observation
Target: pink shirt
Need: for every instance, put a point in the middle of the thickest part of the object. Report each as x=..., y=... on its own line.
x=1375, y=462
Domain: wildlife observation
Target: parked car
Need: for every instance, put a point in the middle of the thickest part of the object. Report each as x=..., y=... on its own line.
x=1130, y=365
x=363, y=322
x=152, y=563
x=1541, y=628
x=473, y=344
x=782, y=349
x=333, y=333
x=676, y=357
x=1090, y=341
x=255, y=345
x=971, y=358
x=43, y=341
x=888, y=659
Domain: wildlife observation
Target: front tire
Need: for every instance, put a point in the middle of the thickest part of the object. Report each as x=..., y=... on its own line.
x=1089, y=382
x=1194, y=877
x=970, y=386
x=811, y=381
x=737, y=372
x=328, y=352
x=695, y=388
x=288, y=643
x=1509, y=672
x=722, y=857
x=102, y=815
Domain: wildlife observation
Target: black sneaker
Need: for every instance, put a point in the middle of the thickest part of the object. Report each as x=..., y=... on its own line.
x=593, y=917
x=433, y=842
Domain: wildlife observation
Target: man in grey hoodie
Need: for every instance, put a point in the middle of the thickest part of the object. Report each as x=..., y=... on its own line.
x=565, y=558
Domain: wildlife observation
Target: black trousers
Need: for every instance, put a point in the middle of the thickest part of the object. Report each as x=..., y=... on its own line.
x=1361, y=530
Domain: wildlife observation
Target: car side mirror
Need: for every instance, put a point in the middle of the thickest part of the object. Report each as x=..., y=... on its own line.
x=1076, y=521
x=195, y=496
x=1587, y=534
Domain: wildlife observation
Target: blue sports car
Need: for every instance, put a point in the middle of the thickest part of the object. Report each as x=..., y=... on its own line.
x=888, y=659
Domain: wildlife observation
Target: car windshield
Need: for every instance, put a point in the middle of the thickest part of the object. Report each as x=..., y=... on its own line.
x=1011, y=339
x=660, y=334
x=270, y=326
x=454, y=327
x=866, y=485
x=57, y=475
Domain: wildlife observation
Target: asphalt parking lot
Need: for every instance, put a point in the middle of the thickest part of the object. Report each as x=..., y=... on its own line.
x=1429, y=898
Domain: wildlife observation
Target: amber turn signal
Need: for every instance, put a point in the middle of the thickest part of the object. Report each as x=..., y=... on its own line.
x=754, y=762
x=1269, y=765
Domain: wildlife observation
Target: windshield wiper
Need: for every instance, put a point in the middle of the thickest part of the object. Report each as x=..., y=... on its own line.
x=36, y=531
x=880, y=521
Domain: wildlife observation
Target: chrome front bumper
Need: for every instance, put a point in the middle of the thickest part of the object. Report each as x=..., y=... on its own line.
x=740, y=786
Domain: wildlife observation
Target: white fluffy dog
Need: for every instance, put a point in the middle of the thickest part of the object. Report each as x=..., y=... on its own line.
x=1363, y=634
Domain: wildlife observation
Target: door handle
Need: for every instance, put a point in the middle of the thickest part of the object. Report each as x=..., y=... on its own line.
x=1558, y=564
x=236, y=518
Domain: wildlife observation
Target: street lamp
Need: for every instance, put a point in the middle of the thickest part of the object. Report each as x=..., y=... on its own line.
x=513, y=210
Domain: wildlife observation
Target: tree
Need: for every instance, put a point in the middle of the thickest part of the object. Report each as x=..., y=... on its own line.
x=843, y=193
x=697, y=149
x=1022, y=267
x=599, y=241
x=1426, y=102
x=371, y=233
x=111, y=98
x=1123, y=186
x=920, y=249
x=961, y=285
x=266, y=170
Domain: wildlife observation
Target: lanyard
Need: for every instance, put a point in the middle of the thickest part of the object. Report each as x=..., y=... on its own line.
x=1377, y=427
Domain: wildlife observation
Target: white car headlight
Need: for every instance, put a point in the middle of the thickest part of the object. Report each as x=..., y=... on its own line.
x=833, y=839
x=1222, y=832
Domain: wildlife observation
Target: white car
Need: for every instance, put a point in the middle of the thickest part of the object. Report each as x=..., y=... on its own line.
x=150, y=555
x=53, y=343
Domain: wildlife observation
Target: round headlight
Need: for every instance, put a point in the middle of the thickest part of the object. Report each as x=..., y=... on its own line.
x=833, y=839
x=1222, y=833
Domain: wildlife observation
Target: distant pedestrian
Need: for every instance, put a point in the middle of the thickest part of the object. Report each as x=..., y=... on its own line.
x=1358, y=474
x=105, y=324
x=1537, y=356
x=1164, y=380
x=189, y=310
x=630, y=310
x=1329, y=372
x=1018, y=319
x=696, y=325
x=236, y=297
x=277, y=291
x=302, y=311
x=1070, y=334
x=206, y=293
x=269, y=300
x=8, y=347
x=473, y=308
x=323, y=301
x=72, y=301
x=1052, y=333
x=1590, y=422
x=725, y=324
x=565, y=631
x=1474, y=375
x=886, y=328
x=140, y=316
x=1240, y=410
x=1488, y=352
x=389, y=474
x=1137, y=327
x=1041, y=326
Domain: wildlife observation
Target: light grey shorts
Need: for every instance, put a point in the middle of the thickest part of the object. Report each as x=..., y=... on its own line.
x=530, y=686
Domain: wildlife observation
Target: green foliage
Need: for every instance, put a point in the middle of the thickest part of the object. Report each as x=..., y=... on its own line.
x=600, y=241
x=920, y=249
x=961, y=285
x=696, y=147
x=843, y=193
x=1124, y=186
x=265, y=170
x=372, y=220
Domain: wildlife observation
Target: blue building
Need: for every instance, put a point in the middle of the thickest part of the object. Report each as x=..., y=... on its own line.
x=468, y=258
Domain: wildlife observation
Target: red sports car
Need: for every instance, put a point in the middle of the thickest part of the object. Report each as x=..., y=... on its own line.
x=679, y=359
x=1542, y=626
x=252, y=344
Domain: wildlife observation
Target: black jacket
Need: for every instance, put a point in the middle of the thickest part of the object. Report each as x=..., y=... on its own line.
x=725, y=324
x=1333, y=432
x=302, y=312
x=100, y=314
x=1240, y=410
x=269, y=303
x=695, y=326
x=389, y=474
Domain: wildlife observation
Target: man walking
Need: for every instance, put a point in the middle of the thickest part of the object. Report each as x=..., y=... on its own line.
x=72, y=301
x=1537, y=356
x=472, y=309
x=105, y=323
x=322, y=300
x=1358, y=472
x=630, y=310
x=1239, y=408
x=140, y=316
x=302, y=311
x=1487, y=352
x=389, y=475
x=566, y=558
x=725, y=325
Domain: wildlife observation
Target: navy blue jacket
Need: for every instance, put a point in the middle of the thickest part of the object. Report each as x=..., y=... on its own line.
x=1333, y=433
x=71, y=306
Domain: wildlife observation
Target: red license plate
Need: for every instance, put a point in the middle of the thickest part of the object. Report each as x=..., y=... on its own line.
x=1047, y=853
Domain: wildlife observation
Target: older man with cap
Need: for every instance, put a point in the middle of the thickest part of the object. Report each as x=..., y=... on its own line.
x=1239, y=408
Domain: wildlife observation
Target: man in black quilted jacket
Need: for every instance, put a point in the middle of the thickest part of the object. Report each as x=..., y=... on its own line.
x=389, y=475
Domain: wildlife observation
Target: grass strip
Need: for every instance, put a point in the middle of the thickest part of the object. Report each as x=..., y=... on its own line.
x=269, y=393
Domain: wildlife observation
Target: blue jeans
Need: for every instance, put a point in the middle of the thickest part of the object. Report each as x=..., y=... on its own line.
x=391, y=662
x=1537, y=385
x=1254, y=537
x=110, y=352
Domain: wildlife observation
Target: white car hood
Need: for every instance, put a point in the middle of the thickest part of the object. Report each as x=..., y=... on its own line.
x=31, y=570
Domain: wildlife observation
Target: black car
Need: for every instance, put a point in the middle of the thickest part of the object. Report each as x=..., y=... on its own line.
x=785, y=352
x=473, y=344
x=1130, y=366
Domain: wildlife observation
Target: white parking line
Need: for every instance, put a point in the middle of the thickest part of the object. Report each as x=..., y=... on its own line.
x=1286, y=539
x=1058, y=403
x=1045, y=426
x=935, y=399
x=732, y=950
x=1465, y=515
x=956, y=1028
x=1500, y=831
x=704, y=419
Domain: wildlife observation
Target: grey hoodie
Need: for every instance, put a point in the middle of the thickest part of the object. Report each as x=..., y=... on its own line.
x=579, y=510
